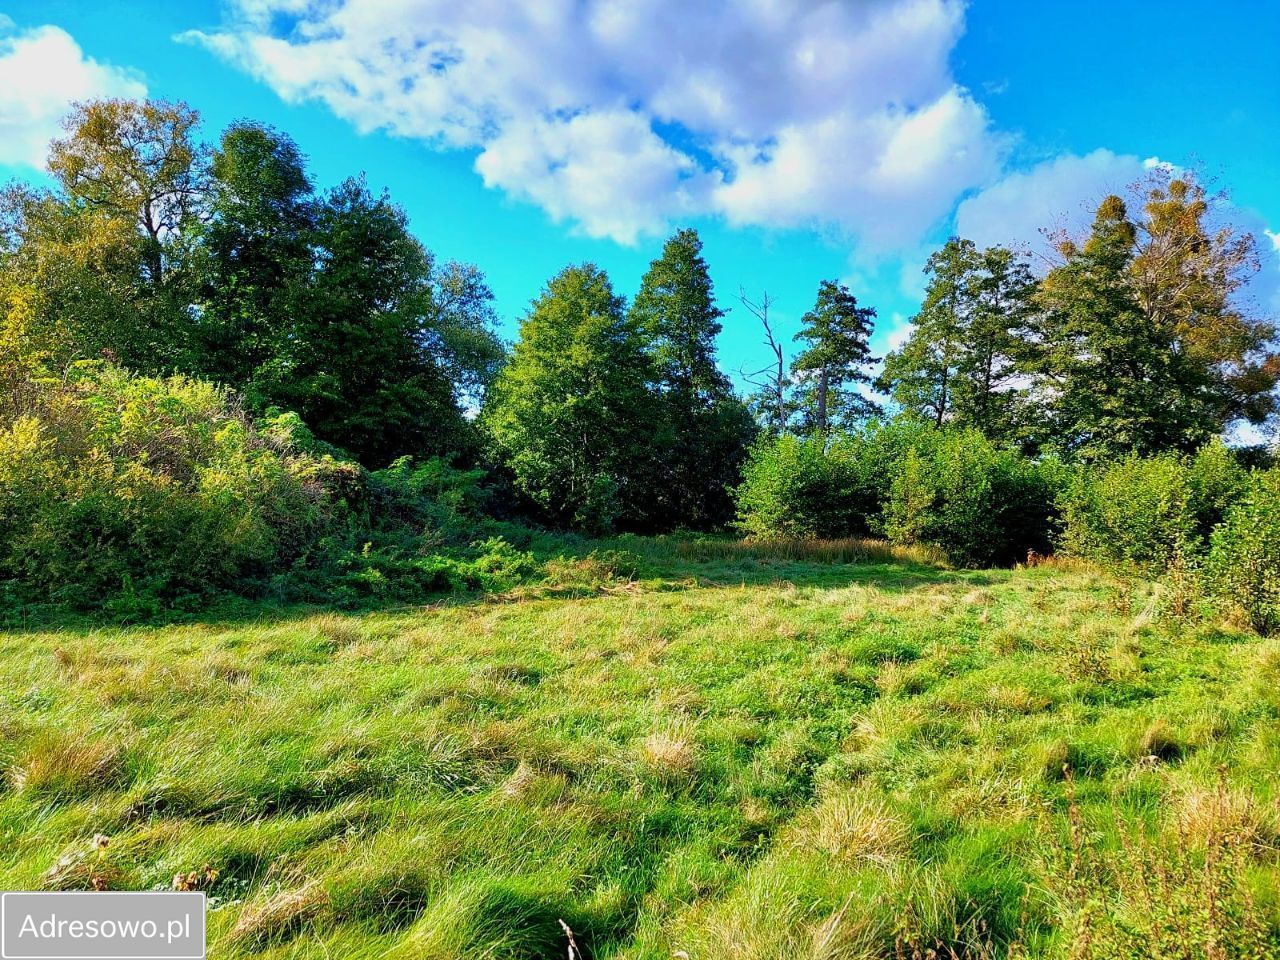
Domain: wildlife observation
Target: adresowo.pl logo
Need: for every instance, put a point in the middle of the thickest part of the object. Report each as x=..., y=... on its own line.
x=102, y=926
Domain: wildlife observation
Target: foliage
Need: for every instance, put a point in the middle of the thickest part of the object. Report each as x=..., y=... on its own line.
x=257, y=243
x=959, y=365
x=825, y=487
x=980, y=504
x=351, y=363
x=1243, y=566
x=709, y=428
x=1140, y=346
x=793, y=487
x=836, y=360
x=573, y=416
x=1150, y=511
x=114, y=483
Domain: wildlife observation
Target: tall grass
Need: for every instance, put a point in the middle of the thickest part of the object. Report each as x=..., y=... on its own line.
x=752, y=751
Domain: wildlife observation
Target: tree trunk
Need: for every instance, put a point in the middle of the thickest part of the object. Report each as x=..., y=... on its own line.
x=822, y=400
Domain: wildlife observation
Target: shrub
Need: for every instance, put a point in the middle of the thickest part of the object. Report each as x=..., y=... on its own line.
x=823, y=487
x=116, y=484
x=1243, y=568
x=1150, y=511
x=1135, y=510
x=979, y=504
x=791, y=488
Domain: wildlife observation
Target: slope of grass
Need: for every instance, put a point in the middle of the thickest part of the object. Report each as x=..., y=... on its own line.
x=749, y=753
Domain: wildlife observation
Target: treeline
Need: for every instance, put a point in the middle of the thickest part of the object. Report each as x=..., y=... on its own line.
x=202, y=353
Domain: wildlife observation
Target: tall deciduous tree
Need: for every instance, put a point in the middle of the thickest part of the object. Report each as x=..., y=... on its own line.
x=351, y=363
x=573, y=415
x=1112, y=380
x=1188, y=272
x=837, y=359
x=1143, y=344
x=257, y=243
x=710, y=428
x=136, y=160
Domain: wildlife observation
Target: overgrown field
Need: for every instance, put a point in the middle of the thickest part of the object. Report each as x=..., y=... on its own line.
x=741, y=754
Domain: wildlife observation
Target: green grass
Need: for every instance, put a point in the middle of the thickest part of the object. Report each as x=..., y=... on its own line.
x=744, y=752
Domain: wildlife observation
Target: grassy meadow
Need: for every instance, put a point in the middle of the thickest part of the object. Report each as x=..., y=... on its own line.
x=838, y=750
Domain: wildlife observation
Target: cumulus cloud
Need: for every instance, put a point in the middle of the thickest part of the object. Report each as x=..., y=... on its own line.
x=620, y=114
x=42, y=72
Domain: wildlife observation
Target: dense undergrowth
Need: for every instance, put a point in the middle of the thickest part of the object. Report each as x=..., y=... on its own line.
x=725, y=750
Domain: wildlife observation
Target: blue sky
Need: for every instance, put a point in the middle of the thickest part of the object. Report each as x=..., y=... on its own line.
x=804, y=141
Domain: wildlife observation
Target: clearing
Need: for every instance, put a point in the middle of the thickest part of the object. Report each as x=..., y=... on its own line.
x=749, y=753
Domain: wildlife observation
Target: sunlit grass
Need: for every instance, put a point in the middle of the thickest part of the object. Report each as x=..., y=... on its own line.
x=720, y=750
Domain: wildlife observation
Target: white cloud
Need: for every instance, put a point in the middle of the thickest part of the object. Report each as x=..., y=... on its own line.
x=1274, y=237
x=621, y=114
x=1061, y=193
x=574, y=168
x=42, y=72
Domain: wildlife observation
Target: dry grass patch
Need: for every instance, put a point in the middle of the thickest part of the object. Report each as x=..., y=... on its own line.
x=278, y=916
x=1203, y=814
x=671, y=754
x=69, y=765
x=854, y=827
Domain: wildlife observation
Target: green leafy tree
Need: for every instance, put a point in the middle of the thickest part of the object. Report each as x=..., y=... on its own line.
x=257, y=242
x=573, y=415
x=710, y=429
x=351, y=362
x=457, y=331
x=74, y=276
x=836, y=360
x=923, y=375
x=1114, y=381
x=959, y=365
x=109, y=252
x=1144, y=343
x=1188, y=273
x=139, y=161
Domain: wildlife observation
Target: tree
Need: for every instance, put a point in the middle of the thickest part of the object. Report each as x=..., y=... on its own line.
x=959, y=365
x=1145, y=343
x=138, y=161
x=1187, y=273
x=573, y=415
x=710, y=428
x=351, y=362
x=257, y=242
x=79, y=275
x=1113, y=381
x=922, y=375
x=990, y=398
x=458, y=330
x=771, y=402
x=837, y=331
x=112, y=252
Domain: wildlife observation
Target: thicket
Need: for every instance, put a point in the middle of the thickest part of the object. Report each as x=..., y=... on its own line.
x=133, y=494
x=1206, y=518
x=905, y=480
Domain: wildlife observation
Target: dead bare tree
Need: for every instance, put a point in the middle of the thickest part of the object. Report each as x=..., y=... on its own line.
x=771, y=379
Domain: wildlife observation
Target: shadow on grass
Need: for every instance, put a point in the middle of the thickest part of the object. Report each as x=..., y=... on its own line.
x=609, y=567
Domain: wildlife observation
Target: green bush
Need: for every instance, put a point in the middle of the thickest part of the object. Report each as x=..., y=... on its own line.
x=979, y=504
x=1243, y=568
x=820, y=487
x=1150, y=511
x=115, y=485
x=791, y=488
